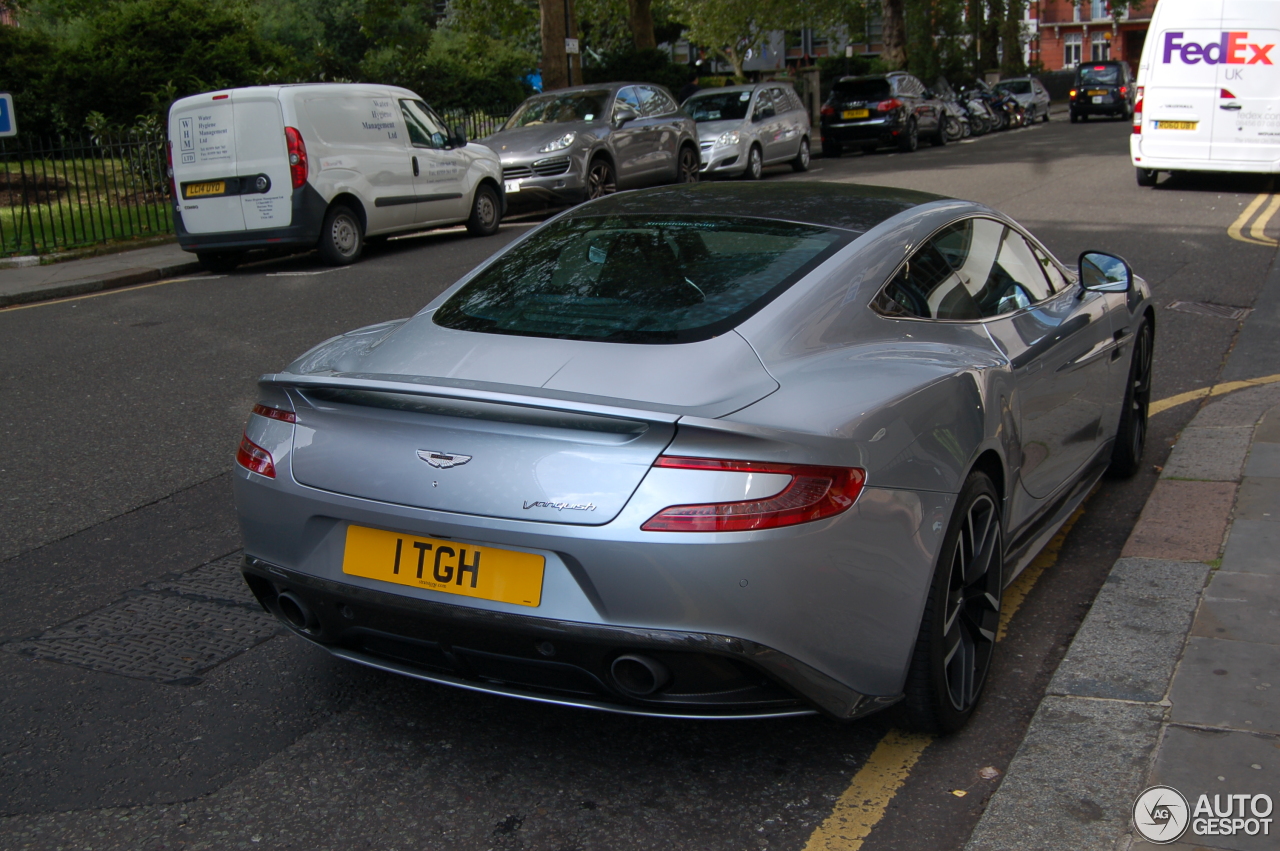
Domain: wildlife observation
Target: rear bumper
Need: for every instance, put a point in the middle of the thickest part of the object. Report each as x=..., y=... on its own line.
x=1113, y=108
x=308, y=211
x=881, y=131
x=1142, y=160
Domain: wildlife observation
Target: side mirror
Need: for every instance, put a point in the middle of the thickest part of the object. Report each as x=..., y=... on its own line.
x=1104, y=273
x=623, y=114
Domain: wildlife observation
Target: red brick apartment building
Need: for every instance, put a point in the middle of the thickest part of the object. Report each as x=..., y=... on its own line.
x=1068, y=34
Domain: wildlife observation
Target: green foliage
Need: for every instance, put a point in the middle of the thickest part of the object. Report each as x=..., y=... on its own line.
x=457, y=70
x=641, y=66
x=28, y=57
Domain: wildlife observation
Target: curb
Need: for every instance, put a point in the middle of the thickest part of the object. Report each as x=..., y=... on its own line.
x=84, y=286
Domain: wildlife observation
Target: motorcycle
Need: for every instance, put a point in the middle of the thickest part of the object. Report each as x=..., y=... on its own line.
x=982, y=119
x=956, y=123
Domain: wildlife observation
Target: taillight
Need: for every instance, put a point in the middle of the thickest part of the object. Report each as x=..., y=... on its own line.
x=275, y=414
x=888, y=105
x=1124, y=90
x=168, y=159
x=297, y=156
x=827, y=109
x=1073, y=93
x=1137, y=113
x=812, y=494
x=255, y=459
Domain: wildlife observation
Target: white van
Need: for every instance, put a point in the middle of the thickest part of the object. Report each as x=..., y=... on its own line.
x=324, y=165
x=1209, y=89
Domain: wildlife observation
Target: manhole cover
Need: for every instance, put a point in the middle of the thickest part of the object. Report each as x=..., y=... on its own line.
x=1208, y=308
x=170, y=631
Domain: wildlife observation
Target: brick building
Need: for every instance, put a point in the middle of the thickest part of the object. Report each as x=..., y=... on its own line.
x=1067, y=34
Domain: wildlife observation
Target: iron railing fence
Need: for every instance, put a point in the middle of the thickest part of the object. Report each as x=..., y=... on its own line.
x=63, y=193
x=477, y=123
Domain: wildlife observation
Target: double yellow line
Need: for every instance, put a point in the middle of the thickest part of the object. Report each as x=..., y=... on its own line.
x=1257, y=234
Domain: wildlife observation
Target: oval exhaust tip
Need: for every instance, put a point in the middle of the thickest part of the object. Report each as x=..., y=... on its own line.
x=295, y=612
x=639, y=675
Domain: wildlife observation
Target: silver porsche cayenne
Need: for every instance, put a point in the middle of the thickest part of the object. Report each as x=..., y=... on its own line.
x=726, y=450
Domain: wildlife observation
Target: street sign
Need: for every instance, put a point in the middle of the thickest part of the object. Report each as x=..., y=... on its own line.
x=8, y=121
x=570, y=45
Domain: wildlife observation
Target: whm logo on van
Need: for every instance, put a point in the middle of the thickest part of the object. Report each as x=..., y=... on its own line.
x=1233, y=48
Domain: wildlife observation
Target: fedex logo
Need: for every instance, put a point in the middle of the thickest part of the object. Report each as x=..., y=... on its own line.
x=1230, y=50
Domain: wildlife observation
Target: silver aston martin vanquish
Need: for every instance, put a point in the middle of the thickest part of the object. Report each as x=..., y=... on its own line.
x=712, y=450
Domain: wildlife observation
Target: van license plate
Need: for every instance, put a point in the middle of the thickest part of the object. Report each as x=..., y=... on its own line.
x=850, y=114
x=213, y=187
x=447, y=566
x=511, y=186
x=1175, y=125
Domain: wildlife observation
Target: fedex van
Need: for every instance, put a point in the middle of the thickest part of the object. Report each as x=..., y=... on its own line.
x=1209, y=89
x=323, y=165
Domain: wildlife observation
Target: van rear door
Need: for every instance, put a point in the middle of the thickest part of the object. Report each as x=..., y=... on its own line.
x=1247, y=126
x=261, y=151
x=202, y=129
x=1180, y=89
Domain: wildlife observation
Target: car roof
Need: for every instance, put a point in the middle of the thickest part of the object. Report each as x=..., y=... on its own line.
x=836, y=205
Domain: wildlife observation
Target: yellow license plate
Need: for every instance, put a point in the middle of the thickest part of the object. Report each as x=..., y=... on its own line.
x=1093, y=92
x=472, y=571
x=213, y=187
x=1176, y=125
x=856, y=113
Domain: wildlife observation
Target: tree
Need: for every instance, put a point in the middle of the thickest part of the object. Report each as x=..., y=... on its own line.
x=640, y=18
x=555, y=25
x=894, y=39
x=729, y=28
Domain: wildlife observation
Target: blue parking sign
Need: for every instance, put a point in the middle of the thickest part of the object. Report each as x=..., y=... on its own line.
x=8, y=121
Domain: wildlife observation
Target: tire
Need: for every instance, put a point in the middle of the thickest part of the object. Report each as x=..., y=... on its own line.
x=939, y=139
x=868, y=150
x=341, y=236
x=1074, y=117
x=1045, y=117
x=1029, y=117
x=1147, y=177
x=486, y=211
x=831, y=150
x=219, y=262
x=1131, y=434
x=962, y=613
x=687, y=169
x=909, y=141
x=755, y=164
x=601, y=179
x=801, y=162
x=953, y=129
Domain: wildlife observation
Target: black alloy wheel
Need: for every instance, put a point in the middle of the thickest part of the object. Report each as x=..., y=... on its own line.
x=688, y=165
x=801, y=162
x=910, y=138
x=341, y=236
x=600, y=179
x=962, y=615
x=486, y=212
x=755, y=164
x=1131, y=435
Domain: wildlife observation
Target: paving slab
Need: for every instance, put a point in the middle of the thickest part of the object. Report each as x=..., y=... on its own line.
x=1258, y=499
x=1182, y=521
x=1222, y=683
x=1253, y=546
x=1210, y=762
x=1074, y=778
x=1210, y=454
x=1264, y=460
x=1268, y=430
x=1241, y=607
x=1128, y=645
x=1240, y=408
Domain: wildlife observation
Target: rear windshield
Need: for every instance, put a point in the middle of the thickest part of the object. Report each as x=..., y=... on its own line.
x=637, y=279
x=1015, y=87
x=558, y=109
x=876, y=89
x=1106, y=75
x=722, y=106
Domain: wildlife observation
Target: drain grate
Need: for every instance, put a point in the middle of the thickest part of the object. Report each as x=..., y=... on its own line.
x=1208, y=308
x=170, y=631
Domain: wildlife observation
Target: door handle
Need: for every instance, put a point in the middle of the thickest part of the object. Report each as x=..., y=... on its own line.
x=415, y=166
x=1230, y=106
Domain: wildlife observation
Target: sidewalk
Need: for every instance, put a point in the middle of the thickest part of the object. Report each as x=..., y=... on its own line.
x=27, y=284
x=1174, y=676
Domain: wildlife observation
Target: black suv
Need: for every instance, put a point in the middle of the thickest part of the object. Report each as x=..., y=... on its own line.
x=885, y=109
x=1102, y=88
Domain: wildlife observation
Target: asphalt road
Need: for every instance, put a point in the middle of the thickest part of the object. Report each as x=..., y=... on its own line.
x=121, y=413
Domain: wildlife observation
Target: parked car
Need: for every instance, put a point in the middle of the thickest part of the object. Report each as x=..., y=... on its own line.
x=884, y=109
x=324, y=165
x=1197, y=115
x=1102, y=88
x=718, y=450
x=583, y=142
x=742, y=129
x=1029, y=92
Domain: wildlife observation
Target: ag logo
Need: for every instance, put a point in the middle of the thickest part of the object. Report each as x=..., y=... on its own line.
x=1161, y=814
x=442, y=460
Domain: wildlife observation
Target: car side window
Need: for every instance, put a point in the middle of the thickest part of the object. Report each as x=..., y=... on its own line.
x=780, y=101
x=1058, y=282
x=425, y=129
x=654, y=102
x=971, y=270
x=627, y=97
x=764, y=106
